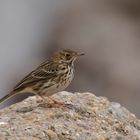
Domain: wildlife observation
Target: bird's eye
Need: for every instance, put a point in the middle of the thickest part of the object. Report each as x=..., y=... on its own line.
x=68, y=56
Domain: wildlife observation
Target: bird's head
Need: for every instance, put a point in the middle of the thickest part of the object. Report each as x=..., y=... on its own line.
x=66, y=55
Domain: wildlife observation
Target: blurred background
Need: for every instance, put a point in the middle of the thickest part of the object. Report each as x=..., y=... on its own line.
x=108, y=32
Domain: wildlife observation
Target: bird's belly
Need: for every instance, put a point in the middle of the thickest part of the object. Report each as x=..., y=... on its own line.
x=57, y=86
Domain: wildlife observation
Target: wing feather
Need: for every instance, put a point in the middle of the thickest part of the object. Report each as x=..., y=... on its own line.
x=44, y=72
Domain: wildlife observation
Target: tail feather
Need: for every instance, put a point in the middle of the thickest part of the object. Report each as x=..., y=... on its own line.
x=6, y=97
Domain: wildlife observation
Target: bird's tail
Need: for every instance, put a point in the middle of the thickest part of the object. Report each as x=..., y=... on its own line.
x=6, y=97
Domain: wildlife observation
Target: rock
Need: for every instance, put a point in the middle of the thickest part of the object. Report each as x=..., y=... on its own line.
x=84, y=117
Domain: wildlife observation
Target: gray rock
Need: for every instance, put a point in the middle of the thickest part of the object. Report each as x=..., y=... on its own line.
x=83, y=117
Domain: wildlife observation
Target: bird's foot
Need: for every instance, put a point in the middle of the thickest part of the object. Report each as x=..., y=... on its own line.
x=56, y=102
x=53, y=103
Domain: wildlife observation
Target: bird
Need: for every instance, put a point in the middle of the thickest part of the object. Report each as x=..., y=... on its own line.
x=52, y=76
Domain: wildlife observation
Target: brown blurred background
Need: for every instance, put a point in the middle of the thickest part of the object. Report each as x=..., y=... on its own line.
x=107, y=31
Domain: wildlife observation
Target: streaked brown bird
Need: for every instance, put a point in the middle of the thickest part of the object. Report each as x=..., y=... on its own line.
x=50, y=77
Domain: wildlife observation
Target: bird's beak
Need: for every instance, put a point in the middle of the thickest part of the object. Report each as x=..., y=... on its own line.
x=80, y=54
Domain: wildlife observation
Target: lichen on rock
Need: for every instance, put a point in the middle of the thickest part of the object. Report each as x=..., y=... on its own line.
x=83, y=117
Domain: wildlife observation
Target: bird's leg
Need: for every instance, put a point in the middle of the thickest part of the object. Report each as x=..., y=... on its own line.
x=56, y=102
x=53, y=103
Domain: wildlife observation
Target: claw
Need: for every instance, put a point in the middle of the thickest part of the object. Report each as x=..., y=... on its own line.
x=54, y=103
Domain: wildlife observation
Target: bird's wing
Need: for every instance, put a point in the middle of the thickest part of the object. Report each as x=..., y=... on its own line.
x=45, y=71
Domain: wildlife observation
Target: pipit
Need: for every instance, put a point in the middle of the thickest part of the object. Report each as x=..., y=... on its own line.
x=52, y=76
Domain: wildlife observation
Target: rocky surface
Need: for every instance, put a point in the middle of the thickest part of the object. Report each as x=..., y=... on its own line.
x=84, y=117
